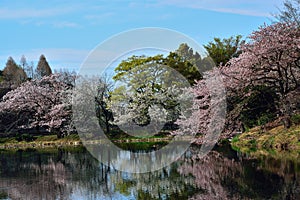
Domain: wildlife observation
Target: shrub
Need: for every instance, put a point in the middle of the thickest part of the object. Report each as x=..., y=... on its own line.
x=295, y=119
x=264, y=119
x=25, y=137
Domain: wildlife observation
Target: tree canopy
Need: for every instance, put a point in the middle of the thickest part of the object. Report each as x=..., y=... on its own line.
x=187, y=62
x=151, y=85
x=222, y=50
x=290, y=12
x=184, y=60
x=13, y=74
x=270, y=59
x=146, y=91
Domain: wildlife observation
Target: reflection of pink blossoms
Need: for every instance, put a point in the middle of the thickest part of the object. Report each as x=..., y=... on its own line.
x=209, y=174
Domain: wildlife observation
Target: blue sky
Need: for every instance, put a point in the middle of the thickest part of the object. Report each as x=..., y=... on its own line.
x=66, y=31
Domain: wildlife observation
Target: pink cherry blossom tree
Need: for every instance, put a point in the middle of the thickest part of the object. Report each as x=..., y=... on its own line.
x=272, y=59
x=207, y=114
x=40, y=103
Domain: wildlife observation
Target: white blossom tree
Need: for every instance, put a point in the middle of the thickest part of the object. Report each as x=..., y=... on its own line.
x=150, y=109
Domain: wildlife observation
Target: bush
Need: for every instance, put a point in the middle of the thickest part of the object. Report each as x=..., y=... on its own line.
x=25, y=137
x=260, y=107
x=3, y=195
x=264, y=119
x=295, y=119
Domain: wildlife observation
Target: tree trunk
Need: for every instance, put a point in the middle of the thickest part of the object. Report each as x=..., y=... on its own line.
x=286, y=113
x=287, y=122
x=107, y=125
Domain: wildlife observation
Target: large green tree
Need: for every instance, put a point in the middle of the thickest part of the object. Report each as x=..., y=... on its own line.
x=137, y=68
x=222, y=50
x=185, y=61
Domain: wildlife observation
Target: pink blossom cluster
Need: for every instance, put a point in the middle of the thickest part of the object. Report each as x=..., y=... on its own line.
x=45, y=101
x=271, y=58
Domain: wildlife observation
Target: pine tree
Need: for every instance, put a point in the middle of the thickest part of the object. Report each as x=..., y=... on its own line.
x=43, y=68
x=13, y=74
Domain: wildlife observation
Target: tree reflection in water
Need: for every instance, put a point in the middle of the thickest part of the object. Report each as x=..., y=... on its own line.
x=225, y=174
x=75, y=174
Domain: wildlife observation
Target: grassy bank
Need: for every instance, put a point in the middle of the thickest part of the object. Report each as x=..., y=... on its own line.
x=277, y=142
x=47, y=141
x=51, y=141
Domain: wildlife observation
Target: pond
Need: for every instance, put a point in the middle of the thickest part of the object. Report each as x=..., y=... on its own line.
x=75, y=174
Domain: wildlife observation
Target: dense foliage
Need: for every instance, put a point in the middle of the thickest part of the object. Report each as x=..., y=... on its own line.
x=222, y=50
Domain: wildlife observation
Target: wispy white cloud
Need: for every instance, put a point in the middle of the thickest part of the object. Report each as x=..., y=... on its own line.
x=56, y=24
x=241, y=7
x=101, y=16
x=10, y=13
x=242, y=12
x=65, y=24
x=97, y=18
x=39, y=17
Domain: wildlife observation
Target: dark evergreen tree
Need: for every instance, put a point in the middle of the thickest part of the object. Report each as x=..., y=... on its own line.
x=43, y=68
x=13, y=74
x=222, y=50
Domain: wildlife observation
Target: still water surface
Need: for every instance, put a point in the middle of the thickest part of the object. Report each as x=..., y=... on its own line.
x=75, y=174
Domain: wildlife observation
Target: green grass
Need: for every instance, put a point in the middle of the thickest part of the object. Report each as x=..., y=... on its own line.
x=50, y=138
x=235, y=139
x=277, y=141
x=46, y=138
x=26, y=141
x=8, y=140
x=51, y=141
x=118, y=135
x=75, y=149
